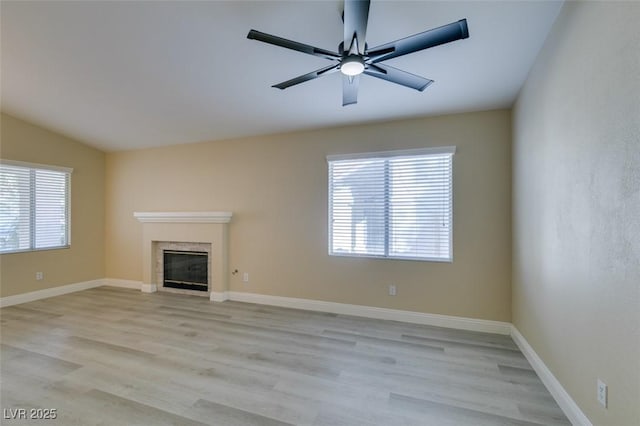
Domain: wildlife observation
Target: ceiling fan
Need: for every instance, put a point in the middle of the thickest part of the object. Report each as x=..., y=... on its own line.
x=354, y=56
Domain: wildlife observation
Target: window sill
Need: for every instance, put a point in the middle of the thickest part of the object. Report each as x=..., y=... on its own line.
x=413, y=259
x=35, y=250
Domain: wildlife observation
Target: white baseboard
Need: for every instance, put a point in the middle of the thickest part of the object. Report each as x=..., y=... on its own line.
x=116, y=282
x=448, y=321
x=49, y=292
x=564, y=400
x=136, y=285
x=148, y=288
x=219, y=296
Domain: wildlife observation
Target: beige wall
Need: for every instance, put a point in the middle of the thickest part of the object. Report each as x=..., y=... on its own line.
x=84, y=261
x=276, y=186
x=576, y=275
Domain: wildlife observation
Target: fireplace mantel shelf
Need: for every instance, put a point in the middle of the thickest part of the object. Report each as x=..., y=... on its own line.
x=183, y=217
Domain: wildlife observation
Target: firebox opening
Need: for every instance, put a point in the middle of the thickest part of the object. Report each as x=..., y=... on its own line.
x=187, y=270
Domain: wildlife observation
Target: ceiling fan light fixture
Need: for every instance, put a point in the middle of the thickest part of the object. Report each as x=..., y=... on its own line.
x=352, y=65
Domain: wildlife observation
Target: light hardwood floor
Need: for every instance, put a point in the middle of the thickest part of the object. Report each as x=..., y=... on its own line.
x=115, y=356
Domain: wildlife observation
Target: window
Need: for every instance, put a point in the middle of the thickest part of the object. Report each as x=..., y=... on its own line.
x=34, y=206
x=395, y=204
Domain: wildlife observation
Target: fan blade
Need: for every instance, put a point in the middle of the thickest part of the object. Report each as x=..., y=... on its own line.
x=293, y=45
x=350, y=89
x=356, y=15
x=435, y=37
x=394, y=75
x=306, y=77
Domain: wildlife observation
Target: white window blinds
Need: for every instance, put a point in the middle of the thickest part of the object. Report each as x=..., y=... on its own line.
x=395, y=204
x=34, y=206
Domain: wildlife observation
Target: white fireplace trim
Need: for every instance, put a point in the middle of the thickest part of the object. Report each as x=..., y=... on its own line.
x=183, y=217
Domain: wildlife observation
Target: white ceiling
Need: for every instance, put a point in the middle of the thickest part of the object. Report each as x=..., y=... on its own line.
x=124, y=75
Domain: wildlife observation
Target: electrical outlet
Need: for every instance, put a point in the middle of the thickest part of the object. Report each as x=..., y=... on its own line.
x=39, y=276
x=392, y=290
x=245, y=277
x=602, y=393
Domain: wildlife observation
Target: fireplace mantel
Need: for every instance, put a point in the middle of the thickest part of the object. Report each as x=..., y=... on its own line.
x=183, y=217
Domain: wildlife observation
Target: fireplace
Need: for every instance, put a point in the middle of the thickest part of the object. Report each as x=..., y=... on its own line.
x=186, y=270
x=185, y=231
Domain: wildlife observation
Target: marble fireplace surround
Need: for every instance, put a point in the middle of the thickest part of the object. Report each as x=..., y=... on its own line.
x=206, y=228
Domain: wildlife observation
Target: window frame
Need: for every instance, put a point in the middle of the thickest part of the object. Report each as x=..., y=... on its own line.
x=385, y=155
x=33, y=167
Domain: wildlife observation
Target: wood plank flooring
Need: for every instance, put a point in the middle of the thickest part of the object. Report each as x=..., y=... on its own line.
x=111, y=356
